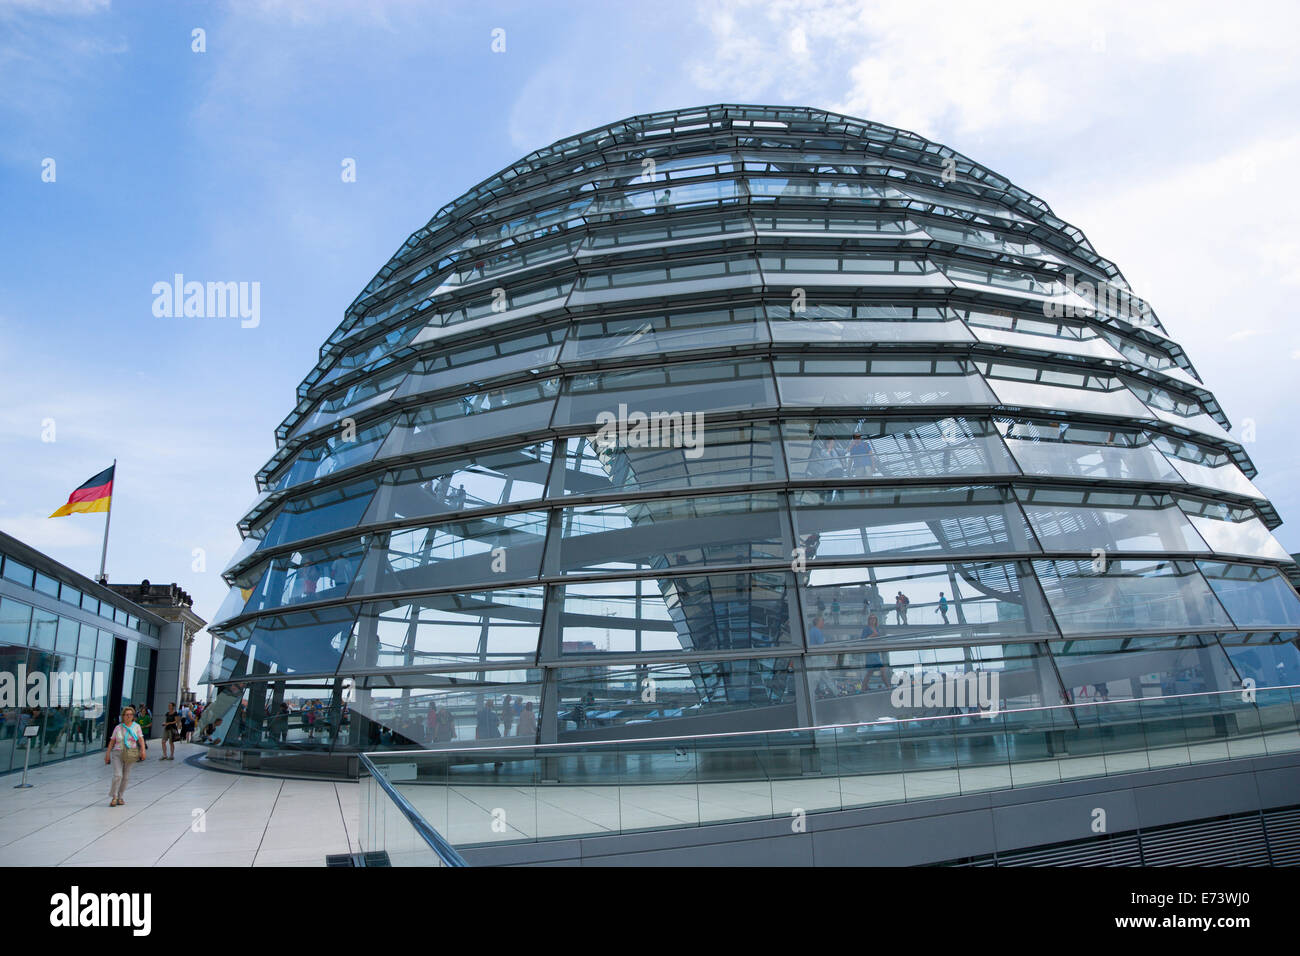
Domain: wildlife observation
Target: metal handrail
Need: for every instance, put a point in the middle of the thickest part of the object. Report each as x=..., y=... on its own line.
x=819, y=727
x=444, y=850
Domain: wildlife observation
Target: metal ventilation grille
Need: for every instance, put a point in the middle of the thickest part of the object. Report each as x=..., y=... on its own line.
x=1283, y=829
x=1255, y=839
x=1117, y=850
x=1235, y=841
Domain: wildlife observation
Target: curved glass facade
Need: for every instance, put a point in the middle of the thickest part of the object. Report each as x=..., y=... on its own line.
x=709, y=421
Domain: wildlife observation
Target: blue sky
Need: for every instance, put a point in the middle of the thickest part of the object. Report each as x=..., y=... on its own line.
x=1169, y=134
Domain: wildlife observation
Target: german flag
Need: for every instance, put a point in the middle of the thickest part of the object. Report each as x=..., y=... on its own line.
x=94, y=495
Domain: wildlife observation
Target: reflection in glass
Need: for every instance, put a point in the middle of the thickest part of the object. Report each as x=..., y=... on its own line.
x=894, y=448
x=1099, y=595
x=1254, y=596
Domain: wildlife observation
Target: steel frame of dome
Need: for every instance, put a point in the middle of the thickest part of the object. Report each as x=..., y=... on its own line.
x=440, y=524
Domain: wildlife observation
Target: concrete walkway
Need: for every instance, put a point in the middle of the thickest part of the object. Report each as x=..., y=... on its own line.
x=65, y=819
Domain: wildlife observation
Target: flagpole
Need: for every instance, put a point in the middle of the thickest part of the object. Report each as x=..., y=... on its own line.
x=108, y=517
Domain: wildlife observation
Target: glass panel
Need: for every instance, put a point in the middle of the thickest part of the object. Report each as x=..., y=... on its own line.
x=47, y=585
x=1039, y=333
x=89, y=638
x=1205, y=466
x=1247, y=537
x=433, y=710
x=463, y=484
x=331, y=509
x=478, y=627
x=310, y=575
x=907, y=684
x=877, y=322
x=1102, y=596
x=1070, y=450
x=45, y=626
x=1142, y=667
x=478, y=363
x=1061, y=390
x=18, y=573
x=593, y=698
x=659, y=334
x=1255, y=597
x=336, y=453
x=65, y=641
x=880, y=382
x=716, y=455
x=669, y=533
x=858, y=522
x=15, y=619
x=693, y=613
x=894, y=448
x=307, y=642
x=471, y=418
x=973, y=600
x=702, y=387
x=1178, y=409
x=1269, y=659
x=1070, y=520
x=364, y=394
x=71, y=595
x=460, y=553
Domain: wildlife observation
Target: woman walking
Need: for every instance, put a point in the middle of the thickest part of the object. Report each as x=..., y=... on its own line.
x=125, y=747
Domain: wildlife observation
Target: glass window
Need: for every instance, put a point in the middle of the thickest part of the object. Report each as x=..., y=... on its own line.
x=476, y=627
x=664, y=615
x=894, y=448
x=330, y=509
x=688, y=387
x=104, y=649
x=88, y=640
x=898, y=684
x=1137, y=667
x=1071, y=450
x=880, y=382
x=15, y=619
x=614, y=695
x=356, y=398
x=90, y=603
x=1061, y=390
x=1201, y=465
x=434, y=710
x=65, y=641
x=1038, y=333
x=70, y=594
x=679, y=533
x=713, y=455
x=306, y=642
x=1066, y=519
x=971, y=600
x=463, y=484
x=490, y=413
x=18, y=573
x=45, y=627
x=1100, y=596
x=859, y=522
x=314, y=574
x=1270, y=659
x=348, y=448
x=47, y=585
x=475, y=364
x=1254, y=596
x=667, y=332
x=458, y=553
x=877, y=322
x=1233, y=529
